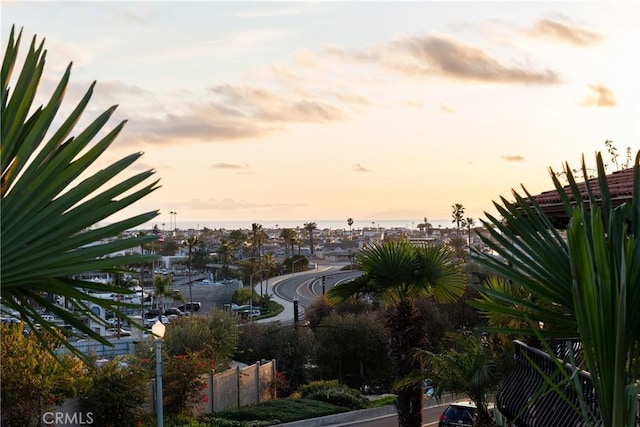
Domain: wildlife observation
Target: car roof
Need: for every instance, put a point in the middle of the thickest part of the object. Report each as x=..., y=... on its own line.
x=467, y=405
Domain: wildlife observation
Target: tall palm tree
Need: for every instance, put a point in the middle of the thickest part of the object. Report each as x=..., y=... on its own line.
x=350, y=223
x=191, y=242
x=162, y=290
x=587, y=284
x=48, y=223
x=288, y=235
x=310, y=226
x=458, y=216
x=469, y=223
x=397, y=273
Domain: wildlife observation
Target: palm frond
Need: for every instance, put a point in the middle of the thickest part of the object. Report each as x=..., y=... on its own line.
x=49, y=221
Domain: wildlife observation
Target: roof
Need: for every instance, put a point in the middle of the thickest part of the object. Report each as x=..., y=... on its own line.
x=620, y=184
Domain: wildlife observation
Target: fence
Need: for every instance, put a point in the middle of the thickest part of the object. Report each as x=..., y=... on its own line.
x=236, y=387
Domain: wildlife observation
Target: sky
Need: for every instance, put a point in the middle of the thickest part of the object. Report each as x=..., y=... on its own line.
x=322, y=110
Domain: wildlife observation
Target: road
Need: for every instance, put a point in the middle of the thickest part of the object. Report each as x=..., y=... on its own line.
x=430, y=417
x=307, y=286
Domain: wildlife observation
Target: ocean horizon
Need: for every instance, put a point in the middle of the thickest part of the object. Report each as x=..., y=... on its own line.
x=332, y=224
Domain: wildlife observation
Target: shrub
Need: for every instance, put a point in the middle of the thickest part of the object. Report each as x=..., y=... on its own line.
x=117, y=394
x=334, y=393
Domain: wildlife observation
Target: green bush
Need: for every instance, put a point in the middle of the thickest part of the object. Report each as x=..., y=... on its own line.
x=117, y=393
x=334, y=393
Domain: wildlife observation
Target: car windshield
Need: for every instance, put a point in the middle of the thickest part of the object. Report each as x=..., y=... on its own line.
x=459, y=414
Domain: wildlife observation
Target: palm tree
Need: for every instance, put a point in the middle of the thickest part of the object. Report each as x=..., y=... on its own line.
x=586, y=285
x=397, y=273
x=472, y=365
x=458, y=216
x=469, y=223
x=161, y=290
x=310, y=226
x=191, y=242
x=350, y=223
x=48, y=223
x=288, y=235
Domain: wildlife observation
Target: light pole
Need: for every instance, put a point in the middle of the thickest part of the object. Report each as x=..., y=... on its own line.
x=251, y=287
x=293, y=266
x=158, y=332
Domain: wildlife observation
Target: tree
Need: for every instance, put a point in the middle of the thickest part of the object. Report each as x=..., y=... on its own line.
x=353, y=349
x=584, y=285
x=472, y=365
x=117, y=393
x=310, y=226
x=191, y=243
x=33, y=381
x=350, y=223
x=292, y=349
x=214, y=337
x=288, y=236
x=398, y=273
x=458, y=217
x=469, y=223
x=48, y=223
x=161, y=291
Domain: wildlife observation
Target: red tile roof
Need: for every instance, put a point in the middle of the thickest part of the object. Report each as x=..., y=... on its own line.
x=620, y=185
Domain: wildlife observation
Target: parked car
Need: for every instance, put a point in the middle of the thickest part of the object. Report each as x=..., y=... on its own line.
x=113, y=332
x=173, y=313
x=458, y=415
x=148, y=323
x=187, y=306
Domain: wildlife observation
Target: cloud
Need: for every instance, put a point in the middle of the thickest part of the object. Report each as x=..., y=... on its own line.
x=264, y=104
x=600, y=96
x=229, y=204
x=357, y=167
x=440, y=55
x=222, y=165
x=564, y=32
x=444, y=108
x=513, y=158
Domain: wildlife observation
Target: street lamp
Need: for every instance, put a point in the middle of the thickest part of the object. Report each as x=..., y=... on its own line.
x=158, y=332
x=293, y=266
x=251, y=287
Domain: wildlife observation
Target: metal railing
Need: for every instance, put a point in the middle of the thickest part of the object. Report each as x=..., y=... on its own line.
x=527, y=400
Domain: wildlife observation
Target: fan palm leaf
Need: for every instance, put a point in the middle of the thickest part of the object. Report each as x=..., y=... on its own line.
x=49, y=217
x=588, y=285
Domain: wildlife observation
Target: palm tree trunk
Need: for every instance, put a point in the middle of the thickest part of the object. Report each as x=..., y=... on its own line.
x=407, y=328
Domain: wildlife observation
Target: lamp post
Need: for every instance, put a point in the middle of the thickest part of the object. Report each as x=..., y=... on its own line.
x=293, y=266
x=251, y=287
x=158, y=332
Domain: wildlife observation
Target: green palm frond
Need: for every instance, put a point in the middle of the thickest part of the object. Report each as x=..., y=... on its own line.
x=49, y=218
x=400, y=270
x=589, y=283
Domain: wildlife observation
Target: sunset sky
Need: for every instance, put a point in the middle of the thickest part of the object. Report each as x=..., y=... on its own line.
x=312, y=111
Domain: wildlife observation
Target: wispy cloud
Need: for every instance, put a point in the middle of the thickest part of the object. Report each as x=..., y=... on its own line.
x=600, y=96
x=444, y=108
x=357, y=167
x=564, y=32
x=445, y=56
x=513, y=158
x=223, y=165
x=229, y=204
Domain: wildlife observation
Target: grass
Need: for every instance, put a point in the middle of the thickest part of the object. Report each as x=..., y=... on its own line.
x=281, y=411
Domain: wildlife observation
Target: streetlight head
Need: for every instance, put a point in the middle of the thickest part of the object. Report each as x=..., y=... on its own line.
x=158, y=329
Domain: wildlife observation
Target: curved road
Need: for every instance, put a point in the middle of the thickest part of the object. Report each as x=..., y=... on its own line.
x=306, y=286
